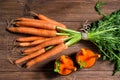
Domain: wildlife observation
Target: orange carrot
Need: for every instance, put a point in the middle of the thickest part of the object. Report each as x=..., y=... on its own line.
x=30, y=56
x=36, y=42
x=33, y=31
x=65, y=70
x=51, y=20
x=42, y=17
x=31, y=38
x=25, y=19
x=37, y=24
x=23, y=44
x=46, y=55
x=86, y=58
x=52, y=41
x=26, y=53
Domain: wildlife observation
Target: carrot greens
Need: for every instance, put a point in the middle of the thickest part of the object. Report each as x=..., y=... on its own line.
x=105, y=34
x=98, y=7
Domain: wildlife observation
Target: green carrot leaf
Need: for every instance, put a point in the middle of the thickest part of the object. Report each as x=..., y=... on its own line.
x=98, y=7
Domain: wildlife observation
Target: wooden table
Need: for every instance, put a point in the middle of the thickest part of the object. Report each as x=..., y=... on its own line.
x=72, y=13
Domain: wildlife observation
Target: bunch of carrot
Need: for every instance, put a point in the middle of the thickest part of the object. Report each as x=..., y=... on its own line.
x=45, y=38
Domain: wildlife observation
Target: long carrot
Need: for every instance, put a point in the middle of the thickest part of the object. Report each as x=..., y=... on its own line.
x=25, y=19
x=38, y=24
x=31, y=38
x=46, y=55
x=52, y=41
x=33, y=31
x=42, y=17
x=36, y=42
x=30, y=56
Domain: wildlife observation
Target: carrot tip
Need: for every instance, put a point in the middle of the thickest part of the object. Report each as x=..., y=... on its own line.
x=12, y=62
x=16, y=20
x=27, y=67
x=99, y=55
x=15, y=62
x=33, y=13
x=18, y=65
x=22, y=54
x=75, y=69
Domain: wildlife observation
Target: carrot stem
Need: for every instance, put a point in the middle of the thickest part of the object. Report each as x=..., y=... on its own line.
x=73, y=40
x=67, y=30
x=62, y=34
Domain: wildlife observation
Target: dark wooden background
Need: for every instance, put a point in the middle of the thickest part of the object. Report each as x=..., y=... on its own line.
x=72, y=13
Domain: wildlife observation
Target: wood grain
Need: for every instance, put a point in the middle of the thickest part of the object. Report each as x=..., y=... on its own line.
x=72, y=13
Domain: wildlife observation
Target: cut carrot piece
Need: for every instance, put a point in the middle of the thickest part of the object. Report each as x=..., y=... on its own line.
x=86, y=58
x=64, y=65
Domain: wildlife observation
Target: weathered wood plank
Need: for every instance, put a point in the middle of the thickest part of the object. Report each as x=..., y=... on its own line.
x=91, y=75
x=80, y=75
x=73, y=11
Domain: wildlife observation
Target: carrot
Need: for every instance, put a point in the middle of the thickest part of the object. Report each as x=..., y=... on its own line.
x=33, y=31
x=46, y=55
x=36, y=24
x=30, y=56
x=65, y=70
x=86, y=58
x=25, y=19
x=42, y=17
x=31, y=38
x=23, y=44
x=52, y=41
x=36, y=42
x=26, y=53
